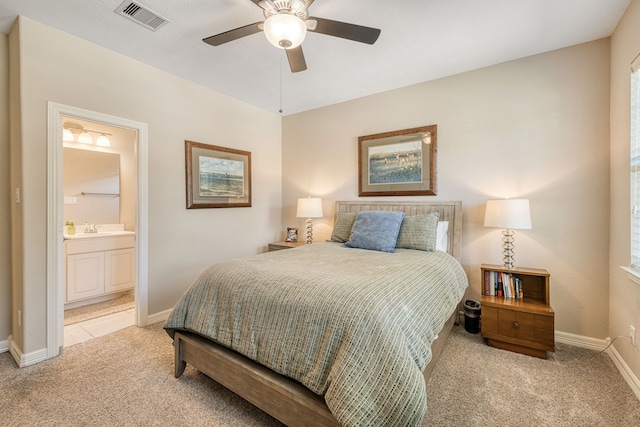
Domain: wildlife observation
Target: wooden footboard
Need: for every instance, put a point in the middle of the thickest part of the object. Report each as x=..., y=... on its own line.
x=282, y=398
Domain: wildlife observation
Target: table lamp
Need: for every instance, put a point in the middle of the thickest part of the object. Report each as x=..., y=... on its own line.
x=508, y=214
x=309, y=207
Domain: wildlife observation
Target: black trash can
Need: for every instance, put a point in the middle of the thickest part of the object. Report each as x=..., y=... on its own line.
x=472, y=316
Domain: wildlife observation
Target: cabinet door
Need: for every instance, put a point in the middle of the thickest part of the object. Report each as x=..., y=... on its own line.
x=85, y=275
x=489, y=320
x=119, y=270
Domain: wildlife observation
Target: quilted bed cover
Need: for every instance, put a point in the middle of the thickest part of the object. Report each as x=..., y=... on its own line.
x=353, y=325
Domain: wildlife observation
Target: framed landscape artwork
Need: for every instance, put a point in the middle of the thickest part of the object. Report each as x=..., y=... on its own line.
x=217, y=177
x=398, y=163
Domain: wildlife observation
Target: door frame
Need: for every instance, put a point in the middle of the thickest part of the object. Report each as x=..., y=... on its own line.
x=55, y=218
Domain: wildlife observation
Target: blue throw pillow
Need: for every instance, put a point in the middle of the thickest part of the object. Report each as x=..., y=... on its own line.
x=376, y=230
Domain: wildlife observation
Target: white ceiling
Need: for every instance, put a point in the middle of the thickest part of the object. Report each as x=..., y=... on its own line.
x=421, y=40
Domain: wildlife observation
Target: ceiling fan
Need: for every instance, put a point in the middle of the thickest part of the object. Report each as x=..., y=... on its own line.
x=286, y=25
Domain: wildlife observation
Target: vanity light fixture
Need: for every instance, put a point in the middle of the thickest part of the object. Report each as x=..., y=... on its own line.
x=74, y=132
x=85, y=138
x=67, y=135
x=103, y=141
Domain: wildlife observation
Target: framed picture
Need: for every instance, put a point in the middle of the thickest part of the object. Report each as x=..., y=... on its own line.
x=217, y=177
x=399, y=163
x=292, y=234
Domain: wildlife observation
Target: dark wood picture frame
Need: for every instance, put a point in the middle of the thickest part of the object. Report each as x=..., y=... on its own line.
x=397, y=163
x=217, y=177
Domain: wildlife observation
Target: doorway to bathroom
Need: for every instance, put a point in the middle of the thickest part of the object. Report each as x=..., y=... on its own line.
x=99, y=213
x=97, y=225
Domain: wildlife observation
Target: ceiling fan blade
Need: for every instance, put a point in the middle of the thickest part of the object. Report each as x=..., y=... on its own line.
x=296, y=59
x=232, y=35
x=357, y=33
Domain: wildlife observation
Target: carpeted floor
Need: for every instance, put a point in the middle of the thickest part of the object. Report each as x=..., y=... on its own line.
x=477, y=385
x=126, y=379
x=91, y=311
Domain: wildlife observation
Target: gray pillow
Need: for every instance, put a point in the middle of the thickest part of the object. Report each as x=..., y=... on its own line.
x=342, y=228
x=375, y=230
x=419, y=232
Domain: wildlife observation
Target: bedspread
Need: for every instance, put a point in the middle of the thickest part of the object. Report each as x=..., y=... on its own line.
x=352, y=325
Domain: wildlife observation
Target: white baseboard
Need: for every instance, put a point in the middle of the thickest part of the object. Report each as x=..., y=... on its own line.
x=4, y=346
x=28, y=359
x=581, y=341
x=599, y=345
x=158, y=317
x=626, y=372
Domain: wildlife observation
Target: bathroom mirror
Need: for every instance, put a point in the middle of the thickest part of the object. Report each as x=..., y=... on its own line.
x=91, y=186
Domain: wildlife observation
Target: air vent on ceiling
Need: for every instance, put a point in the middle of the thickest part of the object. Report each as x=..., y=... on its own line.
x=141, y=15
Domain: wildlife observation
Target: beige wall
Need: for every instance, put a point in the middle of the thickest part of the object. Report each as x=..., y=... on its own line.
x=624, y=296
x=536, y=128
x=58, y=67
x=5, y=196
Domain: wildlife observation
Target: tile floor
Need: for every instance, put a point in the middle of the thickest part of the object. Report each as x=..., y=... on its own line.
x=92, y=328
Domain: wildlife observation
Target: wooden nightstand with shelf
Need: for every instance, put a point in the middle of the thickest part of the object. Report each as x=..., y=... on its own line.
x=277, y=246
x=524, y=324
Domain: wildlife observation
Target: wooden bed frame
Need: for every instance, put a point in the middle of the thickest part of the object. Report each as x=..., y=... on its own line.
x=283, y=398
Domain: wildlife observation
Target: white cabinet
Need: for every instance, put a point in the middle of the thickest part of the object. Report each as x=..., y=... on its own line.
x=119, y=267
x=99, y=265
x=85, y=275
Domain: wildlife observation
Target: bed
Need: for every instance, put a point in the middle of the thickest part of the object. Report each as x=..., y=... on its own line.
x=272, y=327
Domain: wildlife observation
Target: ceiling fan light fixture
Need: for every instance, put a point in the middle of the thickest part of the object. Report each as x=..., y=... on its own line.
x=285, y=31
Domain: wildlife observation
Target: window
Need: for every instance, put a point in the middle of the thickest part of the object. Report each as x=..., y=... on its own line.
x=635, y=163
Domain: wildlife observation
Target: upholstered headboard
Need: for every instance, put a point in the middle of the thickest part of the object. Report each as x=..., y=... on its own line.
x=449, y=211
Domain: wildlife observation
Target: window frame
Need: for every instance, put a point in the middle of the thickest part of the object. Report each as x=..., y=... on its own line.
x=634, y=173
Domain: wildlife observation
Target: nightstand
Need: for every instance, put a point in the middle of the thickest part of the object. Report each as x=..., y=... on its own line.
x=524, y=324
x=277, y=246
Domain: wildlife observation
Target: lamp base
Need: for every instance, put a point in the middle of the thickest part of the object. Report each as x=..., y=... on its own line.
x=507, y=248
x=309, y=231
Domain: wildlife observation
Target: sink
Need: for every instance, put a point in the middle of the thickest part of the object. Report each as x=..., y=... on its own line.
x=98, y=234
x=104, y=230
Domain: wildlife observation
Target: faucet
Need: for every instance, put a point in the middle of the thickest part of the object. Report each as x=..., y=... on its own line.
x=90, y=228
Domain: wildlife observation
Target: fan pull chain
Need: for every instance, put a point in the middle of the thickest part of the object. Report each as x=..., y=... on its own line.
x=280, y=109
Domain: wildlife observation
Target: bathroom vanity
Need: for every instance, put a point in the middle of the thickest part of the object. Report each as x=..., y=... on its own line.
x=99, y=264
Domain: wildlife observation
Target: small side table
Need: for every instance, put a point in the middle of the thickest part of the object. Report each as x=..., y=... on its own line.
x=525, y=324
x=277, y=246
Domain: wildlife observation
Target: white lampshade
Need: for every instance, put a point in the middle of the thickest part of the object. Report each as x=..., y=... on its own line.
x=309, y=207
x=103, y=141
x=284, y=30
x=508, y=213
x=85, y=138
x=67, y=135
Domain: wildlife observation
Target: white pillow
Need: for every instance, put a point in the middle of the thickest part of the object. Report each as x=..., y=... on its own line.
x=442, y=236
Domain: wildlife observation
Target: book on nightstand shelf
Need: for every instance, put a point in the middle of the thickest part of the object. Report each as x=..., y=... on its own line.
x=502, y=284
